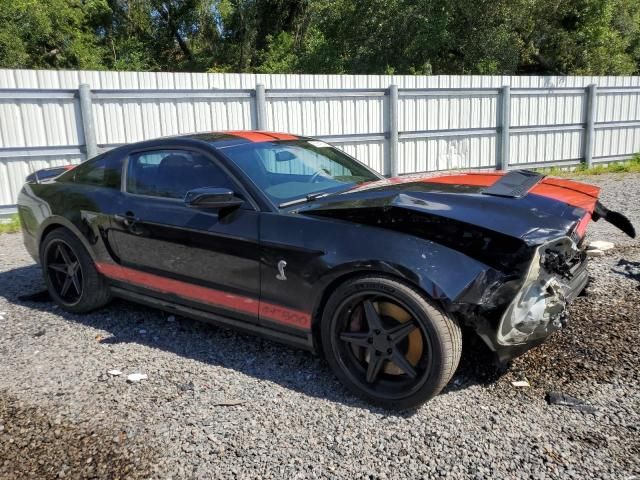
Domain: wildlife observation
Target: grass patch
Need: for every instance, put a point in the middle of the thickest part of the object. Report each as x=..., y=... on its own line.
x=11, y=226
x=630, y=166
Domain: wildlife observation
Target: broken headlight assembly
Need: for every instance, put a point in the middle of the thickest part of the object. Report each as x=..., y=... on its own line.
x=556, y=274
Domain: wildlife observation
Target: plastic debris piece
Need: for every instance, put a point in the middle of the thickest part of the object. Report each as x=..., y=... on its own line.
x=595, y=253
x=229, y=403
x=601, y=245
x=115, y=373
x=562, y=399
x=520, y=383
x=136, y=377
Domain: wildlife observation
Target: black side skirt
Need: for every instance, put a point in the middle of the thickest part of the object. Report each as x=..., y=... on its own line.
x=304, y=342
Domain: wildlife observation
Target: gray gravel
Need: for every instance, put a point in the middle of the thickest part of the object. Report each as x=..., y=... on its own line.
x=218, y=404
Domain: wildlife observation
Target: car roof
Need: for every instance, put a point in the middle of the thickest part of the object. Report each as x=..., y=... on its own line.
x=232, y=138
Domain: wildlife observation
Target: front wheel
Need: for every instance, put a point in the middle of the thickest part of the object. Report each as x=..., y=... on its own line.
x=70, y=274
x=388, y=343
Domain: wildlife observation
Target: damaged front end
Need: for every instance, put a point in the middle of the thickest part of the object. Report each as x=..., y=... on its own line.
x=556, y=275
x=525, y=231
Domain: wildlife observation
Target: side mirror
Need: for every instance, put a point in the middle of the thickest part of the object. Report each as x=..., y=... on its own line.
x=209, y=197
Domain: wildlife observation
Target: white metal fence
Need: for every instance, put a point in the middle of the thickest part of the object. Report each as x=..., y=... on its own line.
x=395, y=124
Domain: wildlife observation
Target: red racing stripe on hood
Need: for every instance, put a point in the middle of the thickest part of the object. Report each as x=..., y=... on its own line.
x=572, y=193
x=209, y=296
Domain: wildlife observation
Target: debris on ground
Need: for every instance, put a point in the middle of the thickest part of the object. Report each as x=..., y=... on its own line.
x=114, y=373
x=186, y=387
x=600, y=245
x=136, y=377
x=559, y=398
x=628, y=269
x=229, y=403
x=520, y=383
x=595, y=253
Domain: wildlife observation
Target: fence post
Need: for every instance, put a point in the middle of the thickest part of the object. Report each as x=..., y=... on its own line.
x=393, y=130
x=504, y=125
x=590, y=118
x=261, y=108
x=86, y=110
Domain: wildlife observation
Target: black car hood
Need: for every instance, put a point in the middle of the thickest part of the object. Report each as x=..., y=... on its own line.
x=530, y=218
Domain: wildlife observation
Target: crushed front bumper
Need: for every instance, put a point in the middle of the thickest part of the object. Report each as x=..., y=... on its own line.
x=557, y=275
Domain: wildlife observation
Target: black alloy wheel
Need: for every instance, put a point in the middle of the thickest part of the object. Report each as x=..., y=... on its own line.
x=388, y=343
x=70, y=273
x=64, y=271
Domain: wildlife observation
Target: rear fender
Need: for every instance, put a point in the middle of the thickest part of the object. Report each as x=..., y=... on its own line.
x=57, y=221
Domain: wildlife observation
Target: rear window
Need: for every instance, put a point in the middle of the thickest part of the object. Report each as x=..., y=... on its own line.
x=102, y=171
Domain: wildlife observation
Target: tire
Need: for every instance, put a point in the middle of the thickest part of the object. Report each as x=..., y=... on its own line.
x=356, y=350
x=94, y=291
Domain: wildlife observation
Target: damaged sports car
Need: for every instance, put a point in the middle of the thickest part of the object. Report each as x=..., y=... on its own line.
x=292, y=239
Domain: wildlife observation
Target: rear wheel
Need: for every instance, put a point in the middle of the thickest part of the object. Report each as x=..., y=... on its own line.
x=388, y=343
x=70, y=274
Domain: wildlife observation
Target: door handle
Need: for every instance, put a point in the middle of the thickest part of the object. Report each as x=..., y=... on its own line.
x=128, y=219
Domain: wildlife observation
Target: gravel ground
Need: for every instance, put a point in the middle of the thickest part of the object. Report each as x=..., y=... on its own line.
x=218, y=404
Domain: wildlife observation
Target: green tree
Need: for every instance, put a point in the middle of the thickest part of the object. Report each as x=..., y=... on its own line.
x=51, y=34
x=325, y=36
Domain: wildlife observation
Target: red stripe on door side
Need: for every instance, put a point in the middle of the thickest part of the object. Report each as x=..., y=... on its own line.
x=210, y=296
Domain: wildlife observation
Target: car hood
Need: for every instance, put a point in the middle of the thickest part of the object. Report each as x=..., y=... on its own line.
x=522, y=205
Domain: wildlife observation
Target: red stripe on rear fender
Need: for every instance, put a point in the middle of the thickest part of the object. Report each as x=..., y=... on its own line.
x=209, y=296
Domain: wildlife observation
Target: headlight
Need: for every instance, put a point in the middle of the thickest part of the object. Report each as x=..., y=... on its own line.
x=538, y=308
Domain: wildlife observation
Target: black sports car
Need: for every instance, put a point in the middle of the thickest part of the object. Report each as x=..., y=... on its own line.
x=293, y=239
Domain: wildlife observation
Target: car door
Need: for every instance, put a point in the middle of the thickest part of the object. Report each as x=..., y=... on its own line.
x=206, y=258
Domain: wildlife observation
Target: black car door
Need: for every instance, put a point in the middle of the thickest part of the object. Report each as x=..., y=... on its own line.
x=205, y=258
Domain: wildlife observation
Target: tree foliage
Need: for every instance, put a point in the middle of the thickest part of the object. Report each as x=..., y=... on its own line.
x=599, y=37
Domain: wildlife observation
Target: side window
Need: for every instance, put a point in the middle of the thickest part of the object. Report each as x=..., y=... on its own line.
x=102, y=171
x=172, y=173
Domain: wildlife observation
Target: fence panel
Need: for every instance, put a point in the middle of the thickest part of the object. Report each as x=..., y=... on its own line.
x=429, y=123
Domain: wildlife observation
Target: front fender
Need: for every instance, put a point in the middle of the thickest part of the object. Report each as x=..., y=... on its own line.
x=445, y=275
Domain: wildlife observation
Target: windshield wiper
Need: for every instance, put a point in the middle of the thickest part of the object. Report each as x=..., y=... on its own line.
x=309, y=198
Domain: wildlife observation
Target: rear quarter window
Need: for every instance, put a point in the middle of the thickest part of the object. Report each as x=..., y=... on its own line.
x=102, y=171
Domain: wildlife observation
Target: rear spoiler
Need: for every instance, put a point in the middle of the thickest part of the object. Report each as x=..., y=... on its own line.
x=45, y=174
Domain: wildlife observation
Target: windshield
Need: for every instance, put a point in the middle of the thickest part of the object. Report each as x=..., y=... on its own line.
x=298, y=169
